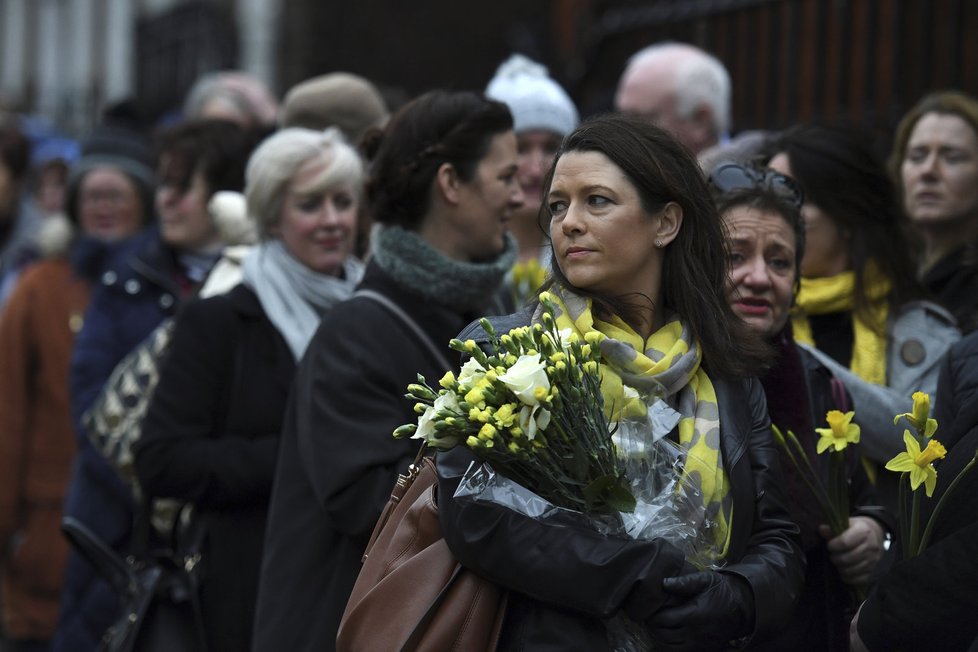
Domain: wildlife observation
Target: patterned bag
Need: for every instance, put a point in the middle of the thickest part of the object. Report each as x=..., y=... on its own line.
x=114, y=422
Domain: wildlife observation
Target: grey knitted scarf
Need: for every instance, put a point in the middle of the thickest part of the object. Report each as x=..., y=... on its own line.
x=417, y=265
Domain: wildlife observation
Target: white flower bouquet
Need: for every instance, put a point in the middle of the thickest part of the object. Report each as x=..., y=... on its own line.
x=531, y=408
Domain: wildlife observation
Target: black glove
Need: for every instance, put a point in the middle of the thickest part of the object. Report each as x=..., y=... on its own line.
x=716, y=612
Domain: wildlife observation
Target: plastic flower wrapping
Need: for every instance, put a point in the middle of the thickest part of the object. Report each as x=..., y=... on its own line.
x=530, y=407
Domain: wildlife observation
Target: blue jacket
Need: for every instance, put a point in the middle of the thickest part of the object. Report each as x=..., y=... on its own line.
x=135, y=291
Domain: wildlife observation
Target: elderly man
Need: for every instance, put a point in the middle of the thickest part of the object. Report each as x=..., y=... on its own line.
x=682, y=89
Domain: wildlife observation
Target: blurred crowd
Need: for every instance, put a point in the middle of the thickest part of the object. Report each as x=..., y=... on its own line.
x=255, y=232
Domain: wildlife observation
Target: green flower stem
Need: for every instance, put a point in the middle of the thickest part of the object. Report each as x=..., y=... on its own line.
x=810, y=477
x=914, y=542
x=925, y=539
x=904, y=485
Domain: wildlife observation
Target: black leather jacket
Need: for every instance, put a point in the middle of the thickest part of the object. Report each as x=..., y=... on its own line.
x=565, y=579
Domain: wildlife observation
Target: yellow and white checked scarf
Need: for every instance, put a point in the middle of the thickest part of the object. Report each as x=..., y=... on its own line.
x=665, y=366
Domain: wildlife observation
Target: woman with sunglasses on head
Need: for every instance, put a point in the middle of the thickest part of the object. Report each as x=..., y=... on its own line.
x=639, y=256
x=860, y=306
x=766, y=238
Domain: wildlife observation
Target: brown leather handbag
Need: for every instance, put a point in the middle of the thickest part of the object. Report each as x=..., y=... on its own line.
x=411, y=594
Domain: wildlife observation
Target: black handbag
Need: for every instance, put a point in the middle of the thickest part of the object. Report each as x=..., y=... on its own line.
x=159, y=592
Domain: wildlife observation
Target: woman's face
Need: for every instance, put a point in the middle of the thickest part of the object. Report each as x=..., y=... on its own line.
x=826, y=243
x=536, y=149
x=109, y=207
x=184, y=221
x=603, y=238
x=761, y=279
x=487, y=202
x=318, y=227
x=940, y=171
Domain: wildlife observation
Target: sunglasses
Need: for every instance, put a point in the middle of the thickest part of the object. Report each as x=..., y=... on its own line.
x=733, y=176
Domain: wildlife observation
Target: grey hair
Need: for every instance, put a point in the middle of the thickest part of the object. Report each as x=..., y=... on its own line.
x=275, y=162
x=699, y=78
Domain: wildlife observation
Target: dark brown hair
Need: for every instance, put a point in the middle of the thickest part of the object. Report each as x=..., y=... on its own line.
x=695, y=263
x=842, y=175
x=436, y=128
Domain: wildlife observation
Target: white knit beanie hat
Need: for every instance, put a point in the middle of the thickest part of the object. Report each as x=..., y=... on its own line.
x=535, y=100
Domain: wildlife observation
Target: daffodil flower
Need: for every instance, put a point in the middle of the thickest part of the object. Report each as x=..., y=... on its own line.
x=840, y=433
x=920, y=417
x=918, y=463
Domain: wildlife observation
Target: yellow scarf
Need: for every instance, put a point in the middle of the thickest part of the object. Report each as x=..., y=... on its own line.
x=665, y=366
x=820, y=296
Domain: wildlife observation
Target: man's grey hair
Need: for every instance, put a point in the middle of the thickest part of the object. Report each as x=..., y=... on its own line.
x=700, y=78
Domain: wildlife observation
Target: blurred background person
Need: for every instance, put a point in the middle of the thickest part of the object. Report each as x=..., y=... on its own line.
x=680, y=88
x=935, y=166
x=210, y=437
x=442, y=186
x=19, y=221
x=761, y=212
x=235, y=96
x=51, y=161
x=137, y=288
x=344, y=100
x=860, y=305
x=542, y=115
x=110, y=190
x=338, y=99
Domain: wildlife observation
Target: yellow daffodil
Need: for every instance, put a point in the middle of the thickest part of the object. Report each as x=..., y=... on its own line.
x=918, y=463
x=920, y=417
x=840, y=433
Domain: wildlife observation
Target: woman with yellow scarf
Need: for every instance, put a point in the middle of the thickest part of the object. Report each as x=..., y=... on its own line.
x=860, y=308
x=639, y=257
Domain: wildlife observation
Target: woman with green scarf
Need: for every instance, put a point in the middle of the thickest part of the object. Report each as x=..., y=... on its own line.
x=860, y=308
x=442, y=187
x=639, y=256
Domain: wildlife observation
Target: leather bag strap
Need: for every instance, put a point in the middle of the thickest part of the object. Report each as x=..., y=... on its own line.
x=409, y=322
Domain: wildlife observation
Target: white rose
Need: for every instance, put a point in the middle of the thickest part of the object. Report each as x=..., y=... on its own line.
x=426, y=425
x=525, y=376
x=471, y=373
x=533, y=419
x=446, y=401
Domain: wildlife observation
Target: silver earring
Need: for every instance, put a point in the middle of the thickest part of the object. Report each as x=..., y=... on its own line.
x=658, y=243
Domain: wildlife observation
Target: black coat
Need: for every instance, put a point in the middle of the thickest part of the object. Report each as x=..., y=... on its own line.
x=930, y=601
x=820, y=622
x=338, y=460
x=953, y=281
x=564, y=579
x=210, y=437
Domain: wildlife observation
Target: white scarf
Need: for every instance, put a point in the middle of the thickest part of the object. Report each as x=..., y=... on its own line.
x=293, y=296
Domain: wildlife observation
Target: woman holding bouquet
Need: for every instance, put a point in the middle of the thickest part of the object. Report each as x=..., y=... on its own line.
x=761, y=214
x=443, y=185
x=639, y=259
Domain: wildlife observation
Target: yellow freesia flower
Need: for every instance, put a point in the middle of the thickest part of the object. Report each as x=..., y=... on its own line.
x=918, y=463
x=840, y=433
x=920, y=417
